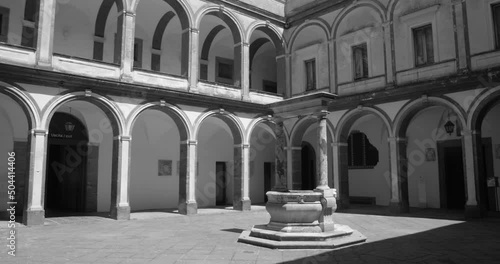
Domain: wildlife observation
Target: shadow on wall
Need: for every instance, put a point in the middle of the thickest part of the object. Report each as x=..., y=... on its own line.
x=468, y=242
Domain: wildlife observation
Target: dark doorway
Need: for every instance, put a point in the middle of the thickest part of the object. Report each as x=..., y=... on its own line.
x=268, y=178
x=221, y=183
x=308, y=167
x=66, y=181
x=451, y=178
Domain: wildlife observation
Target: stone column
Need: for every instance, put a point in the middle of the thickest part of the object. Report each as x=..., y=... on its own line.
x=245, y=71
x=288, y=87
x=120, y=208
x=194, y=67
x=398, y=175
x=127, y=36
x=45, y=35
x=34, y=213
x=473, y=154
x=331, y=70
x=459, y=22
x=187, y=178
x=296, y=167
x=281, y=158
x=322, y=162
x=241, y=199
x=389, y=47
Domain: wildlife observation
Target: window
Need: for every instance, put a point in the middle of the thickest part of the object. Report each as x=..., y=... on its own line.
x=29, y=33
x=361, y=154
x=496, y=24
x=424, y=45
x=138, y=53
x=4, y=24
x=310, y=74
x=269, y=86
x=224, y=70
x=360, y=61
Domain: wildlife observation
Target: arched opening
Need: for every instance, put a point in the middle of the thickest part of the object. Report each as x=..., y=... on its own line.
x=364, y=158
x=308, y=161
x=262, y=162
x=155, y=161
x=81, y=161
x=309, y=51
x=487, y=153
x=19, y=32
x=68, y=186
x=163, y=26
x=265, y=51
x=218, y=182
x=82, y=24
x=13, y=139
x=433, y=161
x=220, y=57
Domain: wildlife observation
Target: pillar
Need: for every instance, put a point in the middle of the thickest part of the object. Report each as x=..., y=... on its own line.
x=45, y=35
x=296, y=167
x=187, y=178
x=288, y=90
x=120, y=208
x=34, y=213
x=473, y=154
x=459, y=23
x=281, y=158
x=127, y=35
x=389, y=51
x=398, y=175
x=245, y=71
x=194, y=67
x=241, y=199
x=341, y=173
x=322, y=161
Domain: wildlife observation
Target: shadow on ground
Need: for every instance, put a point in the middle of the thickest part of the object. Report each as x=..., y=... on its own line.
x=468, y=242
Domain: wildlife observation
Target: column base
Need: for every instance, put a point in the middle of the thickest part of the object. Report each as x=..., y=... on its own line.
x=33, y=217
x=188, y=208
x=120, y=213
x=472, y=211
x=242, y=205
x=399, y=208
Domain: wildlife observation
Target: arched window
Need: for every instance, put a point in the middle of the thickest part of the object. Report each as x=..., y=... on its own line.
x=361, y=153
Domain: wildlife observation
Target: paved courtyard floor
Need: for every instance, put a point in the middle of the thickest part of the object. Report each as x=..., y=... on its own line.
x=424, y=236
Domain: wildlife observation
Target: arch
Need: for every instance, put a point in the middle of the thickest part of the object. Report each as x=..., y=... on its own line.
x=405, y=115
x=251, y=127
x=160, y=29
x=230, y=19
x=390, y=9
x=179, y=117
x=254, y=47
x=230, y=119
x=26, y=102
x=301, y=127
x=103, y=13
x=375, y=5
x=271, y=32
x=106, y=105
x=180, y=7
x=348, y=119
x=481, y=106
x=205, y=51
x=315, y=22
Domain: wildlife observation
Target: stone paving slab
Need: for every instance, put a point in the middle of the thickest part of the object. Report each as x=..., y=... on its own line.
x=210, y=237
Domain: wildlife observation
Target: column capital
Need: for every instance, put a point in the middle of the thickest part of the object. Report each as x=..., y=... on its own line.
x=39, y=132
x=242, y=146
x=322, y=114
x=340, y=144
x=242, y=43
x=191, y=30
x=293, y=148
x=123, y=138
x=126, y=13
x=397, y=139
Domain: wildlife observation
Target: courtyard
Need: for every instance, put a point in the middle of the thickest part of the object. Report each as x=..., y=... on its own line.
x=423, y=236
